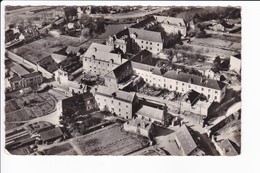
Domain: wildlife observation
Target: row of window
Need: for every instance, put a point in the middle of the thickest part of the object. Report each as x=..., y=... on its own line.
x=150, y=43
x=112, y=101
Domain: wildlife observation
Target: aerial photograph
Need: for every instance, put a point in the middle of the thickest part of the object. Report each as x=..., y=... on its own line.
x=122, y=80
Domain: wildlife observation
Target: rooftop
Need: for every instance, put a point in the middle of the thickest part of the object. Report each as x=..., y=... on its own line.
x=19, y=70
x=238, y=56
x=170, y=20
x=146, y=35
x=51, y=134
x=229, y=147
x=192, y=97
x=117, y=94
x=151, y=112
x=194, y=79
x=119, y=70
x=186, y=140
x=141, y=123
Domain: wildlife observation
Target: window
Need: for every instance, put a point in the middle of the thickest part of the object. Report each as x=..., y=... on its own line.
x=142, y=47
x=202, y=89
x=94, y=67
x=151, y=48
x=90, y=66
x=126, y=106
x=98, y=62
x=182, y=84
x=98, y=104
x=146, y=47
x=209, y=90
x=177, y=88
x=151, y=43
x=215, y=97
x=111, y=101
x=107, y=64
x=158, y=49
x=105, y=100
x=119, y=103
x=176, y=83
x=126, y=113
x=164, y=85
x=158, y=44
x=216, y=92
x=86, y=59
x=189, y=86
x=119, y=110
x=170, y=86
x=142, y=41
x=208, y=95
x=147, y=42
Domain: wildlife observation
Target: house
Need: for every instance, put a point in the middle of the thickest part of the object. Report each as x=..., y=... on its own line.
x=215, y=74
x=181, y=82
x=121, y=40
x=172, y=24
x=120, y=76
x=144, y=39
x=222, y=26
x=186, y=143
x=27, y=80
x=235, y=63
x=151, y=114
x=227, y=147
x=81, y=104
x=195, y=102
x=120, y=103
x=141, y=127
x=100, y=59
x=51, y=135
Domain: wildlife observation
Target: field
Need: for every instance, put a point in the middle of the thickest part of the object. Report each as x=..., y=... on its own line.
x=29, y=107
x=64, y=149
x=44, y=47
x=110, y=140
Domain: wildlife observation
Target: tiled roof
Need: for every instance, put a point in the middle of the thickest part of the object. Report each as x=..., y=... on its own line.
x=19, y=70
x=72, y=49
x=141, y=123
x=238, y=56
x=143, y=56
x=148, y=21
x=192, y=97
x=15, y=79
x=170, y=20
x=117, y=94
x=157, y=71
x=120, y=69
x=142, y=66
x=33, y=74
x=151, y=112
x=228, y=147
x=103, y=53
x=194, y=79
x=51, y=134
x=186, y=140
x=146, y=35
x=58, y=57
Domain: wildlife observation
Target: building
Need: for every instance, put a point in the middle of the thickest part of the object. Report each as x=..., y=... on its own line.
x=81, y=103
x=172, y=24
x=215, y=74
x=120, y=77
x=222, y=26
x=100, y=59
x=144, y=39
x=227, y=147
x=151, y=114
x=19, y=70
x=51, y=135
x=27, y=80
x=195, y=102
x=118, y=102
x=235, y=63
x=121, y=40
x=181, y=82
x=141, y=127
x=186, y=143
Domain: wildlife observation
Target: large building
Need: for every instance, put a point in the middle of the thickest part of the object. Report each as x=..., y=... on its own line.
x=145, y=39
x=100, y=59
x=80, y=103
x=235, y=63
x=181, y=82
x=118, y=102
x=172, y=24
x=27, y=80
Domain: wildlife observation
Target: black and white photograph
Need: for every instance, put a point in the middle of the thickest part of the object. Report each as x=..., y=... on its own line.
x=122, y=80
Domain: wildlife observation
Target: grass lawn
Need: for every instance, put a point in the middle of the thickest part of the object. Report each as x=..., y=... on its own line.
x=42, y=48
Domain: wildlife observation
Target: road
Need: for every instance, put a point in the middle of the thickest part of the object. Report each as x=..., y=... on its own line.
x=135, y=15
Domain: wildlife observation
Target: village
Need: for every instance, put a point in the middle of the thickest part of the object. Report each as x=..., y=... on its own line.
x=130, y=80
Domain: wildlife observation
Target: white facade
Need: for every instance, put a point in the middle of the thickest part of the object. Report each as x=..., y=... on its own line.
x=235, y=64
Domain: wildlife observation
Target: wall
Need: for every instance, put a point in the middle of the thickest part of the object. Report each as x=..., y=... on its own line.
x=120, y=108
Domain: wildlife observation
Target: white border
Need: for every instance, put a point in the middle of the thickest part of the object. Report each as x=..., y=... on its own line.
x=250, y=112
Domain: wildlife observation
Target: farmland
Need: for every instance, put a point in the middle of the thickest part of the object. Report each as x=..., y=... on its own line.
x=110, y=140
x=44, y=47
